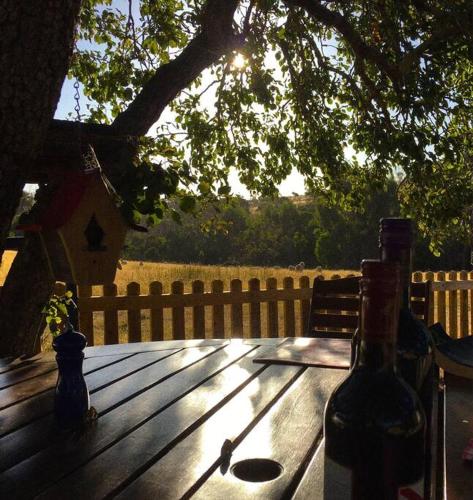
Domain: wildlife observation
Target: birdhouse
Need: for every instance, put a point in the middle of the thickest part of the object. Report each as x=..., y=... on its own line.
x=81, y=227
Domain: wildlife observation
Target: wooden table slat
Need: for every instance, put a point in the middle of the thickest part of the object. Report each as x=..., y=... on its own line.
x=287, y=434
x=40, y=433
x=9, y=364
x=25, y=372
x=201, y=451
x=49, y=465
x=108, y=350
x=124, y=389
x=313, y=478
x=29, y=388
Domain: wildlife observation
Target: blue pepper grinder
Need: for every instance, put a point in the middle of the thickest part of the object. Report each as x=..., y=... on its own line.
x=71, y=399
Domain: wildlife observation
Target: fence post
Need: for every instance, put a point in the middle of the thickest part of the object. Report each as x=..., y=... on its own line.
x=156, y=312
x=304, y=282
x=198, y=312
x=289, y=315
x=236, y=311
x=255, y=310
x=86, y=318
x=272, y=323
x=441, y=302
x=463, y=307
x=429, y=276
x=452, y=308
x=218, y=325
x=110, y=317
x=178, y=324
x=134, y=315
x=417, y=276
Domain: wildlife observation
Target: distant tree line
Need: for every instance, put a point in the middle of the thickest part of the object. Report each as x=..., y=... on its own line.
x=283, y=232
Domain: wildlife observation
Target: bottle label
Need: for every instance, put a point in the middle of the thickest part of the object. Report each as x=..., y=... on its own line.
x=413, y=491
x=337, y=480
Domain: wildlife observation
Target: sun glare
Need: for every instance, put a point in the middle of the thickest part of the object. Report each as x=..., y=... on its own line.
x=239, y=61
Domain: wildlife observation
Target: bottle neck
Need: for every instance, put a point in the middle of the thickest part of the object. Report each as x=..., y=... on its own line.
x=378, y=332
x=375, y=356
x=402, y=255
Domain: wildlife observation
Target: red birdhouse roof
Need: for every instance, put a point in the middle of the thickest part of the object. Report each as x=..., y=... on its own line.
x=67, y=198
x=64, y=201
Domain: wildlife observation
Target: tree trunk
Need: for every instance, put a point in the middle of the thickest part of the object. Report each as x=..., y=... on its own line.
x=27, y=289
x=35, y=47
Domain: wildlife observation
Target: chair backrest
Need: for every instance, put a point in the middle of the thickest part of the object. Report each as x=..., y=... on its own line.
x=335, y=304
x=421, y=294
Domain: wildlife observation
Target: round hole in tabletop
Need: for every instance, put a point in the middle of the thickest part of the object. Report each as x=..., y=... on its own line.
x=257, y=470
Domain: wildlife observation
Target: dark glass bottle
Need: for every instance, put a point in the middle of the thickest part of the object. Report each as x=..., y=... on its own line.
x=71, y=399
x=414, y=344
x=374, y=423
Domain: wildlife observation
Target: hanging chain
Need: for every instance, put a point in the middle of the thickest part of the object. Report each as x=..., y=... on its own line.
x=84, y=157
x=76, y=81
x=77, y=99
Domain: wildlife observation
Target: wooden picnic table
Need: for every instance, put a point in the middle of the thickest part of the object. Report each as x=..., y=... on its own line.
x=174, y=418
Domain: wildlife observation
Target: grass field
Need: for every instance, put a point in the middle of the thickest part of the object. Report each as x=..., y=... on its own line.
x=146, y=272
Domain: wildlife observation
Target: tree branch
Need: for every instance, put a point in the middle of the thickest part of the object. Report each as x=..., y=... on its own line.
x=360, y=48
x=215, y=39
x=414, y=55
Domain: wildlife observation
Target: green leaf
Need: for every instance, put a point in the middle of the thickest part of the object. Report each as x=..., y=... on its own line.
x=63, y=309
x=187, y=203
x=176, y=216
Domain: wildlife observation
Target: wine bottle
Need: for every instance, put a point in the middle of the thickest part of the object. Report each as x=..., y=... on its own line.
x=374, y=423
x=414, y=343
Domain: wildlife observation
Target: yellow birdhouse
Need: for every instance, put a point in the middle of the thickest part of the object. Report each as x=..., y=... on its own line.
x=82, y=228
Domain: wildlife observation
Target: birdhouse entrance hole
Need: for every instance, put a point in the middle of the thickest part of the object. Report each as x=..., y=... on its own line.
x=94, y=235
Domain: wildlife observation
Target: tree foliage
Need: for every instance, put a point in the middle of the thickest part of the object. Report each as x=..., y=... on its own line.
x=346, y=92
x=284, y=232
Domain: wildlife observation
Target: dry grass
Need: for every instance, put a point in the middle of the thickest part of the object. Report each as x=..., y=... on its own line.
x=146, y=272
x=7, y=260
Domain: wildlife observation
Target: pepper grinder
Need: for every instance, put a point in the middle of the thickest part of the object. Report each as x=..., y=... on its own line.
x=71, y=399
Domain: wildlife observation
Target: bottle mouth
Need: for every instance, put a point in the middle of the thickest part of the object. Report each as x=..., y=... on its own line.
x=396, y=223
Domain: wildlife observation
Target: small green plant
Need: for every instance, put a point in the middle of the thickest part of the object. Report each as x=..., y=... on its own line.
x=56, y=311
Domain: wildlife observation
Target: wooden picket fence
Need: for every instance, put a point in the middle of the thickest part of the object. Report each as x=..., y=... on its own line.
x=236, y=312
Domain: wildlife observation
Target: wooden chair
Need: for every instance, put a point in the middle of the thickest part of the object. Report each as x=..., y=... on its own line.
x=335, y=306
